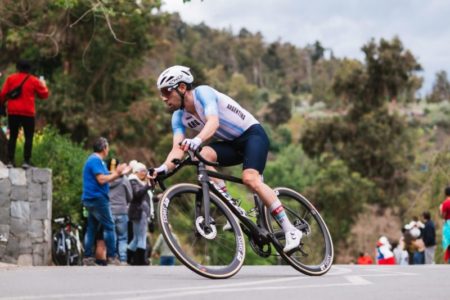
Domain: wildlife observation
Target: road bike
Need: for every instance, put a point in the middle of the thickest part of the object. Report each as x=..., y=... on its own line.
x=210, y=225
x=66, y=245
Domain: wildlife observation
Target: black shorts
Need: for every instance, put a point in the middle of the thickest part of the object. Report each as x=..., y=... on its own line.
x=250, y=149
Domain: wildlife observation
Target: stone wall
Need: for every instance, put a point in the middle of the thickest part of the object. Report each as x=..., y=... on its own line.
x=25, y=216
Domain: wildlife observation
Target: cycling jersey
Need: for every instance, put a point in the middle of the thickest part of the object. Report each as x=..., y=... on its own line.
x=233, y=119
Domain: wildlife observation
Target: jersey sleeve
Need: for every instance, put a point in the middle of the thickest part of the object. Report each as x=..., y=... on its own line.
x=177, y=123
x=98, y=168
x=208, y=99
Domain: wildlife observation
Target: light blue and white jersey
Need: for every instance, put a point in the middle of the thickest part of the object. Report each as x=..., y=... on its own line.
x=233, y=119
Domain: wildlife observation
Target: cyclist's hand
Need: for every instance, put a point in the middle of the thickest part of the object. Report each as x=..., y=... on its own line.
x=191, y=144
x=154, y=172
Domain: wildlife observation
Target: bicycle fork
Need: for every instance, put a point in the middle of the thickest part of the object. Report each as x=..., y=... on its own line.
x=203, y=179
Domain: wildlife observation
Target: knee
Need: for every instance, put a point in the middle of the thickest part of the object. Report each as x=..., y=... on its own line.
x=209, y=153
x=252, y=181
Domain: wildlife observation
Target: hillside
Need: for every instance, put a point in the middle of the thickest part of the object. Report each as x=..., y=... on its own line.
x=349, y=134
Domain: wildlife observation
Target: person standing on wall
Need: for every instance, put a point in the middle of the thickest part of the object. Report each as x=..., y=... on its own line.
x=19, y=90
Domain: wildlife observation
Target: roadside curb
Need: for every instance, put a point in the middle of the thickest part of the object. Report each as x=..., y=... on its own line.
x=7, y=266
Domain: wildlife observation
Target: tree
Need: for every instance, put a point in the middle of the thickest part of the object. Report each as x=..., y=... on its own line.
x=316, y=51
x=279, y=111
x=369, y=139
x=90, y=51
x=441, y=88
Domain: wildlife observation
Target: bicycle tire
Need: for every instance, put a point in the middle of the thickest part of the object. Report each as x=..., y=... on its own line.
x=59, y=259
x=74, y=255
x=317, y=245
x=217, y=256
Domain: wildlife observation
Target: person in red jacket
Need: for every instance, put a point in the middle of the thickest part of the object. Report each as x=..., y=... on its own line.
x=21, y=111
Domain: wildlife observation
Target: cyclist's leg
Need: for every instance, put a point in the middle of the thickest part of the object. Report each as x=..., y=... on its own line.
x=255, y=148
x=225, y=154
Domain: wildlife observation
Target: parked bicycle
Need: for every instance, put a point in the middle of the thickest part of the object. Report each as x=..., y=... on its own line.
x=66, y=245
x=210, y=226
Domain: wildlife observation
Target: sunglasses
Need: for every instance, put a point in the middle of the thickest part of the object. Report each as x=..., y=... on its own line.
x=165, y=92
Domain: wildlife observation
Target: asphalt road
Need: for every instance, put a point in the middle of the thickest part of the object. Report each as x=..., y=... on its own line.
x=431, y=282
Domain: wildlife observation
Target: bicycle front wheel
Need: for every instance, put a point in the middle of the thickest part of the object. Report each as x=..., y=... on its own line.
x=315, y=255
x=215, y=252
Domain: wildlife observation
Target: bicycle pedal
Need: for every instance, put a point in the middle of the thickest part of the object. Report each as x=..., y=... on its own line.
x=292, y=251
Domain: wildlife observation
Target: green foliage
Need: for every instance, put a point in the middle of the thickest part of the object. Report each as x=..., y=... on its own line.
x=437, y=114
x=441, y=88
x=291, y=168
x=370, y=140
x=339, y=194
x=66, y=159
x=279, y=111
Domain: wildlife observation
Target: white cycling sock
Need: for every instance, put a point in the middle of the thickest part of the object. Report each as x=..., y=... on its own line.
x=277, y=211
x=222, y=186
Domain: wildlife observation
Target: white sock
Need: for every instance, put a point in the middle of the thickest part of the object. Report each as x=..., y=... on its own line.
x=277, y=211
x=221, y=184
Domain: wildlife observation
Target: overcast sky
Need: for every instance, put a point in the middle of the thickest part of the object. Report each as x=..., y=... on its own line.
x=344, y=26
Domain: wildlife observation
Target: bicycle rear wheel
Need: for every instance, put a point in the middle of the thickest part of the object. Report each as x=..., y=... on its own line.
x=315, y=254
x=213, y=254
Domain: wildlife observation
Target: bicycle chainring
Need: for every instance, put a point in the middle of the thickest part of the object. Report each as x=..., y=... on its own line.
x=263, y=250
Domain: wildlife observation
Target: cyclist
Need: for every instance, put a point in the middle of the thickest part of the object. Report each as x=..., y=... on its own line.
x=241, y=138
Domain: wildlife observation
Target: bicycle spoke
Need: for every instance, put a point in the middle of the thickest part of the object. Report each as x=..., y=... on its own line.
x=315, y=254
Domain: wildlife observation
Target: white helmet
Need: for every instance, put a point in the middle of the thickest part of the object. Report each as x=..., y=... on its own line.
x=173, y=76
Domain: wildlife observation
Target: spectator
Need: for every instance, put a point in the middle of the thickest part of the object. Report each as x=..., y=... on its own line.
x=100, y=248
x=416, y=223
x=384, y=253
x=445, y=213
x=21, y=111
x=429, y=238
x=364, y=259
x=400, y=254
x=120, y=195
x=408, y=245
x=139, y=212
x=161, y=249
x=418, y=246
x=96, y=200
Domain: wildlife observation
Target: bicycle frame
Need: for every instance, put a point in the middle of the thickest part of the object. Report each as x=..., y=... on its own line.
x=257, y=231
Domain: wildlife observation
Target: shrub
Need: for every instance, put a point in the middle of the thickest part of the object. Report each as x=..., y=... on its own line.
x=66, y=159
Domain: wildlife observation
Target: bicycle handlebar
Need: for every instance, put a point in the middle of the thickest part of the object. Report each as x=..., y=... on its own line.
x=179, y=163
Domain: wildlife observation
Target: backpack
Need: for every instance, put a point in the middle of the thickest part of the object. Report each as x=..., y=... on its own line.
x=12, y=94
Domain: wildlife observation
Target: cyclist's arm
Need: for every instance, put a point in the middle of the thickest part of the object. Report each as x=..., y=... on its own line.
x=211, y=126
x=209, y=101
x=176, y=152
